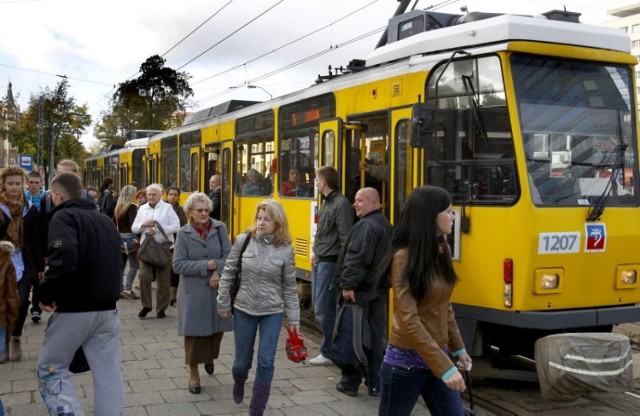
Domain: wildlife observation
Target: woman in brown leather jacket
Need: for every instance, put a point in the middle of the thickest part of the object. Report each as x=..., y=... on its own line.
x=424, y=337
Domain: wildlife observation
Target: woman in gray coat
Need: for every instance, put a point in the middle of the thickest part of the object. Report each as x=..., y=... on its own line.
x=200, y=252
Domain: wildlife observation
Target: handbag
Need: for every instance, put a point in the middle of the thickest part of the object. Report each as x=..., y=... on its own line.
x=156, y=249
x=129, y=243
x=235, y=285
x=468, y=411
x=351, y=337
x=296, y=351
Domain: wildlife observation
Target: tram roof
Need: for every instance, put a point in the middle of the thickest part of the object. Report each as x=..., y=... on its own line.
x=499, y=29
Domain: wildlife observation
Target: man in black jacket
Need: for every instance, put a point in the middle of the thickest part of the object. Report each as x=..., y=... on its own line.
x=215, y=191
x=355, y=272
x=80, y=288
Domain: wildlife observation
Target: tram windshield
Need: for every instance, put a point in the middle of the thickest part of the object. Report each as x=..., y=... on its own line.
x=578, y=129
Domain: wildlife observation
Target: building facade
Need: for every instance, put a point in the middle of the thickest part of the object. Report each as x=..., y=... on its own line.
x=9, y=112
x=628, y=20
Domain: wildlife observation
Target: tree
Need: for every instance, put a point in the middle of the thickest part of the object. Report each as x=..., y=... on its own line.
x=63, y=121
x=148, y=102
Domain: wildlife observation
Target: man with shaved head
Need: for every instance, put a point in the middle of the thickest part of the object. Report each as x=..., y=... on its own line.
x=366, y=245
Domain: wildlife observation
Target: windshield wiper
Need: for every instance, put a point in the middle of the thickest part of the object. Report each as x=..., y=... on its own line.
x=475, y=106
x=595, y=212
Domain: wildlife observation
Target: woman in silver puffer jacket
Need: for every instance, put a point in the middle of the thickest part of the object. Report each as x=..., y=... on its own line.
x=267, y=288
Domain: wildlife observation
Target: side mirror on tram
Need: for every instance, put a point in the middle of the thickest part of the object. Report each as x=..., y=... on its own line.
x=423, y=125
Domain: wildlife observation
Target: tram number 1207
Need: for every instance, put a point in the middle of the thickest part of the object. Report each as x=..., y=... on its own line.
x=559, y=243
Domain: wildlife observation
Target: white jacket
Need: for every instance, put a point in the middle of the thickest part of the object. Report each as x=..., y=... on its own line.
x=163, y=213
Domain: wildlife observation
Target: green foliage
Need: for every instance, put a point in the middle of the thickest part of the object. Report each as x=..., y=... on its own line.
x=62, y=120
x=148, y=102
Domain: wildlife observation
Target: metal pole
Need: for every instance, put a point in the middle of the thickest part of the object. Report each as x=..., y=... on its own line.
x=52, y=151
x=40, y=133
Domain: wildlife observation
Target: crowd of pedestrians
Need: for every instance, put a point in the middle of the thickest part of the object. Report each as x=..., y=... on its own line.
x=60, y=244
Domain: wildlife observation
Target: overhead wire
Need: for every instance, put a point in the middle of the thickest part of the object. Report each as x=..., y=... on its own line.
x=286, y=44
x=197, y=27
x=229, y=35
x=294, y=64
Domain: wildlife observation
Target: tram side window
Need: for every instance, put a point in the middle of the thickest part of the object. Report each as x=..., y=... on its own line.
x=473, y=153
x=255, y=167
x=169, y=162
x=297, y=166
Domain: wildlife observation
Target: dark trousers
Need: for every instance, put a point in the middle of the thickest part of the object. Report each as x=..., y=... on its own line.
x=375, y=312
x=175, y=278
x=35, y=299
x=24, y=287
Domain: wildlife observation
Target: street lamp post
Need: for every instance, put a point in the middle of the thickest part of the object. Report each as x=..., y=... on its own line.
x=258, y=86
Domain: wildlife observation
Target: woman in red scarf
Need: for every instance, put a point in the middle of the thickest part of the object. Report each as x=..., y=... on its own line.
x=19, y=224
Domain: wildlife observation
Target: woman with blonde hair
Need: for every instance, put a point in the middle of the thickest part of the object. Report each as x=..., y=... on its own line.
x=267, y=288
x=20, y=225
x=123, y=216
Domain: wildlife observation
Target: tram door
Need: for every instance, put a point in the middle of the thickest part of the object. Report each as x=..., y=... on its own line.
x=330, y=134
x=218, y=162
x=404, y=164
x=193, y=184
x=366, y=143
x=123, y=177
x=152, y=168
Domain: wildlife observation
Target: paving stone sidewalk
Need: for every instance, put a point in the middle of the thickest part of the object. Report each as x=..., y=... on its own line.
x=156, y=377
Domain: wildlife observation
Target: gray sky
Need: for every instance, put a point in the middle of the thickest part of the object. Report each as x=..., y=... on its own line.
x=99, y=44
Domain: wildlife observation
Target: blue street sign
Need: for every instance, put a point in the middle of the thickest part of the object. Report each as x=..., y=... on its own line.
x=26, y=162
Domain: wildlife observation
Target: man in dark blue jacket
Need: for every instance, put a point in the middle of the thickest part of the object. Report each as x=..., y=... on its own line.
x=366, y=245
x=80, y=288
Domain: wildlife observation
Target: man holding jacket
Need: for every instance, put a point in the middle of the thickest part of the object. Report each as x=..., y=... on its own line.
x=80, y=288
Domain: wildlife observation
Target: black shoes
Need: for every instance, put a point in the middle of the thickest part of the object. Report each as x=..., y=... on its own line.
x=161, y=315
x=35, y=316
x=144, y=312
x=195, y=388
x=208, y=367
x=344, y=388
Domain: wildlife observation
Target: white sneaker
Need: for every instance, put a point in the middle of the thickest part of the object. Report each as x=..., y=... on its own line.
x=320, y=360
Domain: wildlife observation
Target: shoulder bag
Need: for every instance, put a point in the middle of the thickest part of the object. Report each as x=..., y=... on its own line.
x=155, y=249
x=129, y=242
x=235, y=285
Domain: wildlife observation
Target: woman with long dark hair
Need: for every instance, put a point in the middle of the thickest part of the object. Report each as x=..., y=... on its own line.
x=107, y=201
x=424, y=338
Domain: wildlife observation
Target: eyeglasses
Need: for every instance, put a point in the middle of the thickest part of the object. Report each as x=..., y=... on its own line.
x=34, y=182
x=200, y=210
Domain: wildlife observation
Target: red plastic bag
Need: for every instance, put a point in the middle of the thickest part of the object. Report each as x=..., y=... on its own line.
x=296, y=351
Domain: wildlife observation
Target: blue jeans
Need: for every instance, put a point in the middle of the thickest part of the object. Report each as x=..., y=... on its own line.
x=324, y=301
x=132, y=258
x=3, y=344
x=400, y=388
x=245, y=329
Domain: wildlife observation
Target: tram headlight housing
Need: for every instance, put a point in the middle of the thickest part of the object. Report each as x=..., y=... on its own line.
x=548, y=281
x=627, y=276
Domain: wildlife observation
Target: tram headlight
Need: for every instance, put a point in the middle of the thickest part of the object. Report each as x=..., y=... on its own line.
x=627, y=276
x=548, y=281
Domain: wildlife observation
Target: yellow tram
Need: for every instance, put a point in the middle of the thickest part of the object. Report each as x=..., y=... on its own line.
x=530, y=123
